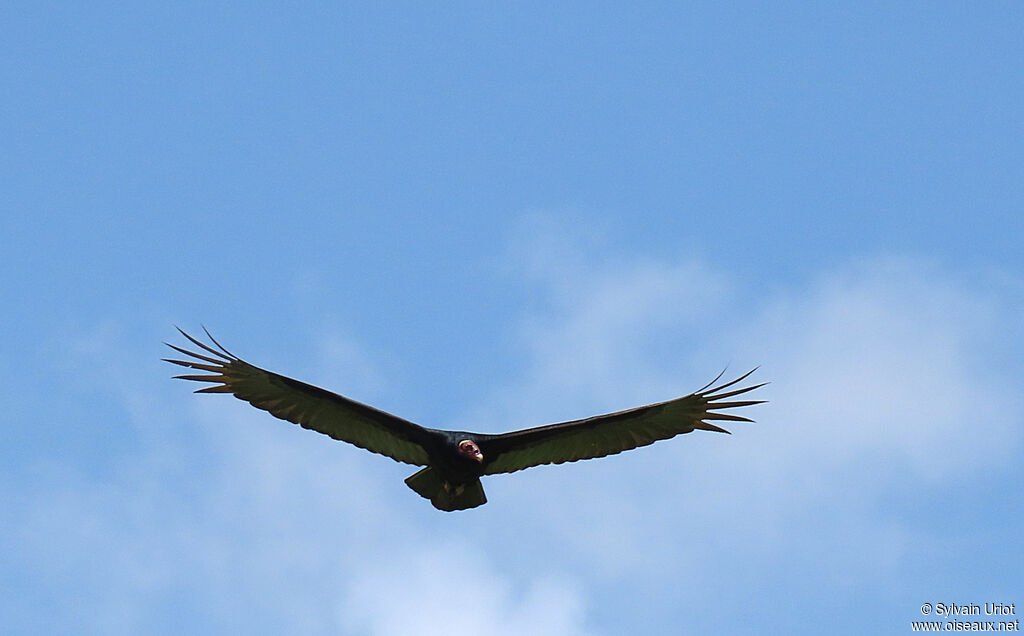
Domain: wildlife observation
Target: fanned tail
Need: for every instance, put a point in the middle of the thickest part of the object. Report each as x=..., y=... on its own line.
x=445, y=496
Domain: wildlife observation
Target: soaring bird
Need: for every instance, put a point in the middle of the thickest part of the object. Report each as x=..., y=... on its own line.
x=454, y=461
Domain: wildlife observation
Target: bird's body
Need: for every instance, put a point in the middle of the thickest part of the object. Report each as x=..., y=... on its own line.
x=454, y=461
x=452, y=479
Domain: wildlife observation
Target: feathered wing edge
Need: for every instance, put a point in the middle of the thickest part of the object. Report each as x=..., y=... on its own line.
x=614, y=433
x=711, y=399
x=304, y=404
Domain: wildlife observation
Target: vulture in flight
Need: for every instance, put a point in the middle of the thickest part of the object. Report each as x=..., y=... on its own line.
x=454, y=461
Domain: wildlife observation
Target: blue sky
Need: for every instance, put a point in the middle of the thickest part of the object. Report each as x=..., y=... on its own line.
x=500, y=216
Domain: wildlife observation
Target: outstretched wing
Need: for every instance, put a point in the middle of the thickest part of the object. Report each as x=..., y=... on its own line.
x=613, y=433
x=306, y=405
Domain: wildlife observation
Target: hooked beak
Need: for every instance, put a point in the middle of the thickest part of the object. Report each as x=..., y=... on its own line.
x=468, y=449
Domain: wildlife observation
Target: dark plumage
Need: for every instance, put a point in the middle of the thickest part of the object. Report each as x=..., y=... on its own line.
x=455, y=460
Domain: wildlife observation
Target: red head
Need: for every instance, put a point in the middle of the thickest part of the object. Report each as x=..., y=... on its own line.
x=468, y=448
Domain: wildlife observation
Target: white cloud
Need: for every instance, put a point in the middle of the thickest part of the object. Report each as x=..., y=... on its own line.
x=239, y=522
x=888, y=363
x=608, y=329
x=455, y=590
x=879, y=387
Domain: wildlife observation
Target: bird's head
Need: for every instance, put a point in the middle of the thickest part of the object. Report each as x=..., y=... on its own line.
x=468, y=448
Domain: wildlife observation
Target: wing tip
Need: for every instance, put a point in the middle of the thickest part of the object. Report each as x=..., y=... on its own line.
x=707, y=426
x=716, y=378
x=224, y=355
x=219, y=345
x=714, y=405
x=217, y=367
x=219, y=388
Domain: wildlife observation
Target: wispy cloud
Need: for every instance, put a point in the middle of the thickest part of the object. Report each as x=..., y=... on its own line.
x=880, y=389
x=456, y=588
